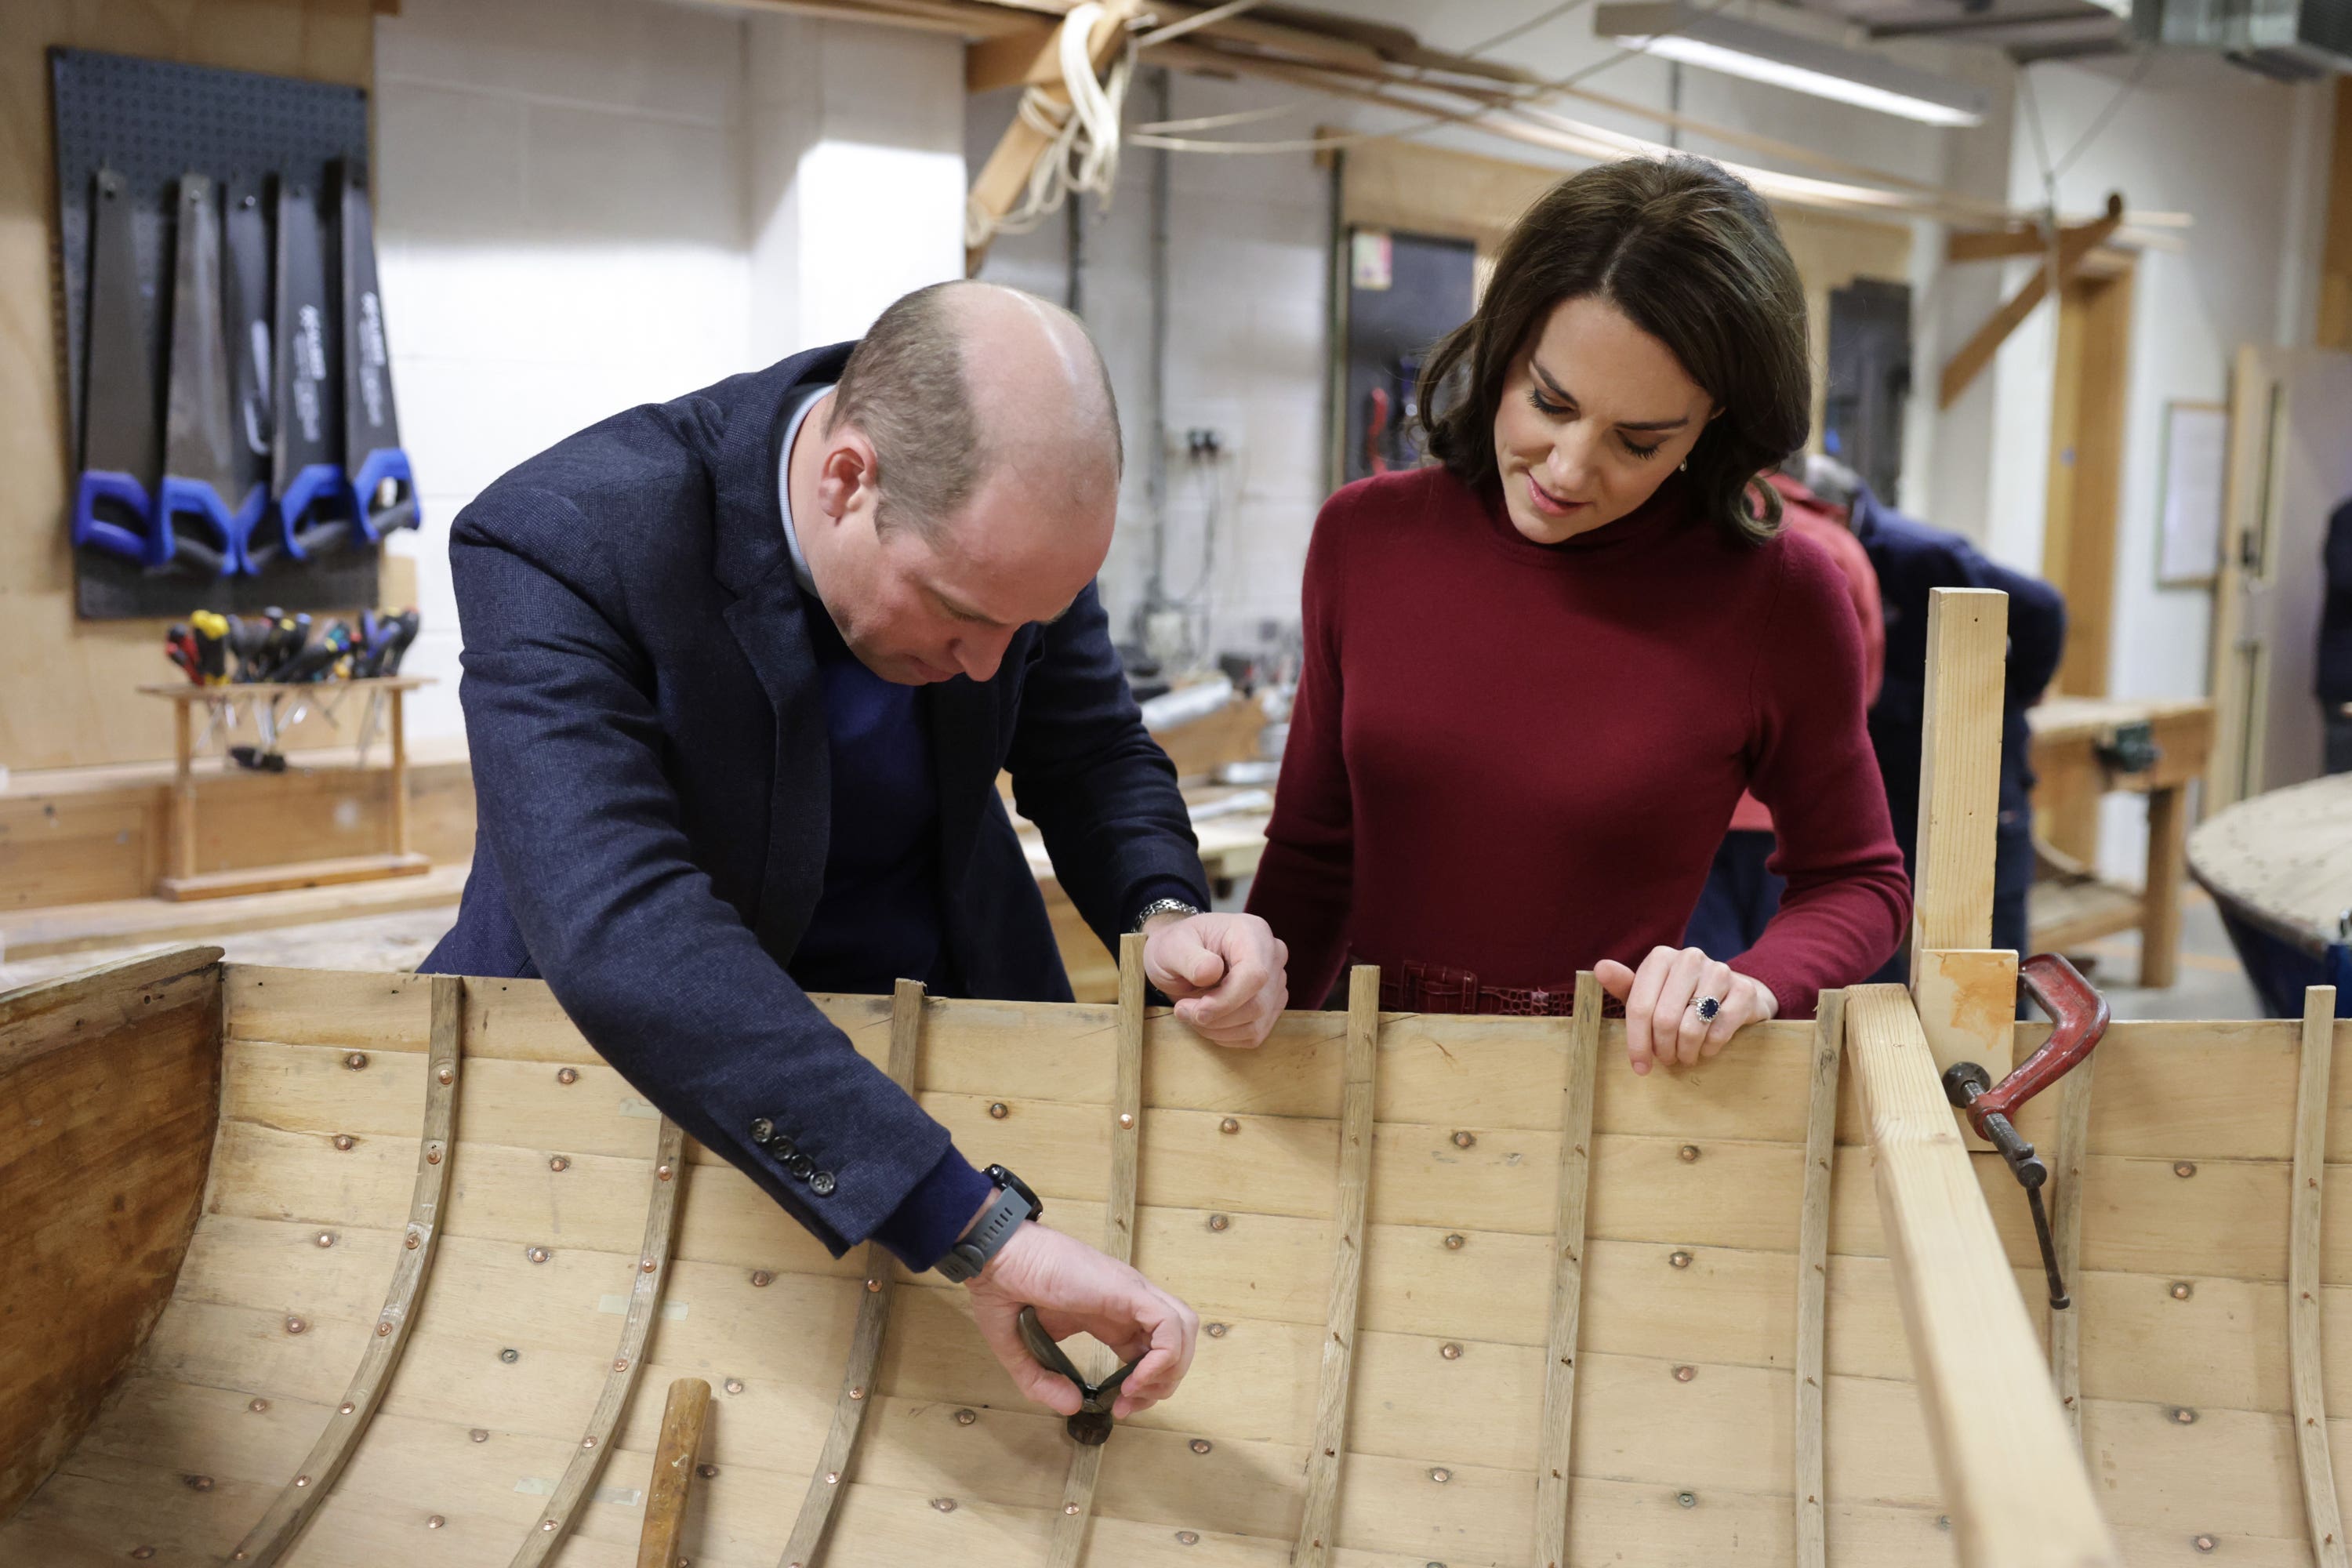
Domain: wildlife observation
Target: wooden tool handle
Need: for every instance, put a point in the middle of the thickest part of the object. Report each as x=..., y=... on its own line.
x=674, y=1458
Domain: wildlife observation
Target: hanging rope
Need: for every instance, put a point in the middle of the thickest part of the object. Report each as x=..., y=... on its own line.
x=1082, y=153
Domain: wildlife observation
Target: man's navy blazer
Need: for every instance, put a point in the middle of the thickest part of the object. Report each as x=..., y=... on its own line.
x=650, y=767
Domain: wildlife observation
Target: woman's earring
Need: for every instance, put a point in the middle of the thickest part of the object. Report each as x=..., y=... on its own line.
x=1684, y=467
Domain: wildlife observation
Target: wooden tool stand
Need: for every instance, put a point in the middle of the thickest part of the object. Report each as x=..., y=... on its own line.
x=378, y=701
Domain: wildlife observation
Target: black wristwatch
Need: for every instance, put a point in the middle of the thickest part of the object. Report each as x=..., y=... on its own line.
x=988, y=1232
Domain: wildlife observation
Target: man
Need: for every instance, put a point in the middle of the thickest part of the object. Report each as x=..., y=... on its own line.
x=741, y=671
x=2334, y=664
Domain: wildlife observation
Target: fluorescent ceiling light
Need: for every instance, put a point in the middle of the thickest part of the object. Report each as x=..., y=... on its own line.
x=1737, y=47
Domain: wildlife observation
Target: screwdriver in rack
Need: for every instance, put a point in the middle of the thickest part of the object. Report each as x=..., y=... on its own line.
x=210, y=631
x=180, y=647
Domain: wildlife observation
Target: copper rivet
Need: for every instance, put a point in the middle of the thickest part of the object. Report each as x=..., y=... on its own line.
x=200, y=1483
x=356, y=1060
x=1000, y=1110
x=944, y=1504
x=1219, y=1222
x=326, y=1238
x=567, y=1075
x=1463, y=1140
x=435, y=1521
x=1229, y=1125
x=559, y=1164
x=295, y=1325
x=346, y=1407
x=1069, y=1508
x=259, y=1406
x=2181, y=1290
x=2203, y=1542
x=621, y=1363
x=2184, y=1168
x=511, y=1356
x=706, y=1471
x=1688, y=1499
x=301, y=1480
x=1202, y=1445
x=343, y=1141
x=966, y=1417
x=587, y=1442
x=833, y=1477
x=2184, y=1415
x=761, y=1277
x=873, y=1286
x=142, y=1552
x=1689, y=1152
x=1187, y=1538
x=1679, y=1259
x=1450, y=1350
x=537, y=1255
x=431, y=1156
x=381, y=1330
x=662, y=1172
x=856, y=1394
x=1453, y=1242
x=1216, y=1331
x=648, y=1265
x=547, y=1524
x=478, y=1435
x=734, y=1386
x=1685, y=1373
x=447, y=1074
x=1126, y=1119
x=413, y=1241
x=1441, y=1474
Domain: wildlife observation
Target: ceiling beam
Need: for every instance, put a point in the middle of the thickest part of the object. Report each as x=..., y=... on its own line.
x=2074, y=248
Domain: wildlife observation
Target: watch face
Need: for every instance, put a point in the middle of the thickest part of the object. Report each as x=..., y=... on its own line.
x=1004, y=1178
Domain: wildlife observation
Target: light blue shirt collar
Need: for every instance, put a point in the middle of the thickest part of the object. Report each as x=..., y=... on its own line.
x=808, y=399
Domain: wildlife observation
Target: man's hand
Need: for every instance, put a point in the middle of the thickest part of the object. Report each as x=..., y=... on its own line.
x=1662, y=1014
x=1225, y=972
x=1077, y=1290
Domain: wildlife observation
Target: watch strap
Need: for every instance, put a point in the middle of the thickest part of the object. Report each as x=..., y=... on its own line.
x=987, y=1235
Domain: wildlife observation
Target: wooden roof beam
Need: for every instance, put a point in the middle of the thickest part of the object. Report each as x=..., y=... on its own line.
x=2074, y=247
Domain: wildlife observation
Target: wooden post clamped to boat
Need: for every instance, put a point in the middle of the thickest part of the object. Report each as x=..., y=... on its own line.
x=684, y=1415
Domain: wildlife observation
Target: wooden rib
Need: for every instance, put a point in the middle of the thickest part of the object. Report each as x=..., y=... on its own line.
x=284, y=1523
x=683, y=1415
x=2070, y=1156
x=1322, y=1509
x=2319, y=1505
x=1552, y=1439
x=1070, y=1539
x=805, y=1547
x=628, y=1359
x=2013, y=1483
x=1812, y=1277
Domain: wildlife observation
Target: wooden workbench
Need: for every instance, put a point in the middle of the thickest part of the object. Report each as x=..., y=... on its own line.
x=2073, y=743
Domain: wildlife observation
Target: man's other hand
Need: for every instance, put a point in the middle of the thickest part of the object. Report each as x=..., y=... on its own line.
x=1225, y=972
x=1077, y=1289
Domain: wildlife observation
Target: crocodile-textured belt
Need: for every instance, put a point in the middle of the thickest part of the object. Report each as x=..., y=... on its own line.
x=1413, y=986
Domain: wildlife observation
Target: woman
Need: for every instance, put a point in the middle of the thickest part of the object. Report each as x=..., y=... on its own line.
x=1539, y=673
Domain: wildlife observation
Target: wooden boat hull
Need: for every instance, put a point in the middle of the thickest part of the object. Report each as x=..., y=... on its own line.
x=1690, y=1338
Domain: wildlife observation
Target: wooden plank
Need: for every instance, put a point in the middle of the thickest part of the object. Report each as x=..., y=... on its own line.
x=805, y=1546
x=2017, y=1491
x=683, y=1415
x=1006, y=174
x=2075, y=246
x=2326, y=1518
x=294, y=874
x=1809, y=1489
x=1072, y=1524
x=2069, y=1159
x=2084, y=493
x=1966, y=1001
x=301, y=1499
x=540, y=1543
x=110, y=1089
x=1959, y=796
x=2168, y=868
x=1315, y=1535
x=1554, y=1449
x=118, y=923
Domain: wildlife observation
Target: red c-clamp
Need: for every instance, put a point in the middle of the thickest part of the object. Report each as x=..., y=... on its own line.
x=2079, y=1016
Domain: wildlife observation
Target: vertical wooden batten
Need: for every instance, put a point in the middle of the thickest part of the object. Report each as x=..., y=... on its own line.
x=1076, y=1513
x=546, y=1536
x=1812, y=1278
x=683, y=1415
x=2320, y=1508
x=805, y=1547
x=301, y=1500
x=2070, y=1156
x=1553, y=1437
x=1321, y=1514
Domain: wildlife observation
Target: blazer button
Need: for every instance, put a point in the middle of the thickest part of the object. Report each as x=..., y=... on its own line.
x=801, y=1165
x=782, y=1148
x=762, y=1129
x=821, y=1183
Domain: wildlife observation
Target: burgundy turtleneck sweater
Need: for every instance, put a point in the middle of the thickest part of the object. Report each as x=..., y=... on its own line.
x=1517, y=759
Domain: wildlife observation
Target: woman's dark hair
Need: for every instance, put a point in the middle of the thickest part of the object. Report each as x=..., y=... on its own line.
x=1693, y=257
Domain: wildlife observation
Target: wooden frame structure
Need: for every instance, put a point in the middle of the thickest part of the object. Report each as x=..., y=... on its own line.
x=1472, y=1293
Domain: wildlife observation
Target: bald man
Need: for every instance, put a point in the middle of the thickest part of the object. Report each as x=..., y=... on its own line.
x=741, y=671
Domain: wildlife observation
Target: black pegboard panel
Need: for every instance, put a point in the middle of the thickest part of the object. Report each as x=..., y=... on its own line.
x=152, y=122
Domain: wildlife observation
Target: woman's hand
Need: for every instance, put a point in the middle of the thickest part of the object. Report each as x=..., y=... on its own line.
x=1662, y=1004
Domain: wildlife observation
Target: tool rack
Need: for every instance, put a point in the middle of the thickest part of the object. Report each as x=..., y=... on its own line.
x=259, y=700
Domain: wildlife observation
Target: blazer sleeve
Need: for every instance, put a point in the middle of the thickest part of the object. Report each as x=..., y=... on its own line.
x=1096, y=785
x=659, y=973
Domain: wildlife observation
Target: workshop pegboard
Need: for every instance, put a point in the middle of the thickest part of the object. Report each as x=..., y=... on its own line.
x=152, y=122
